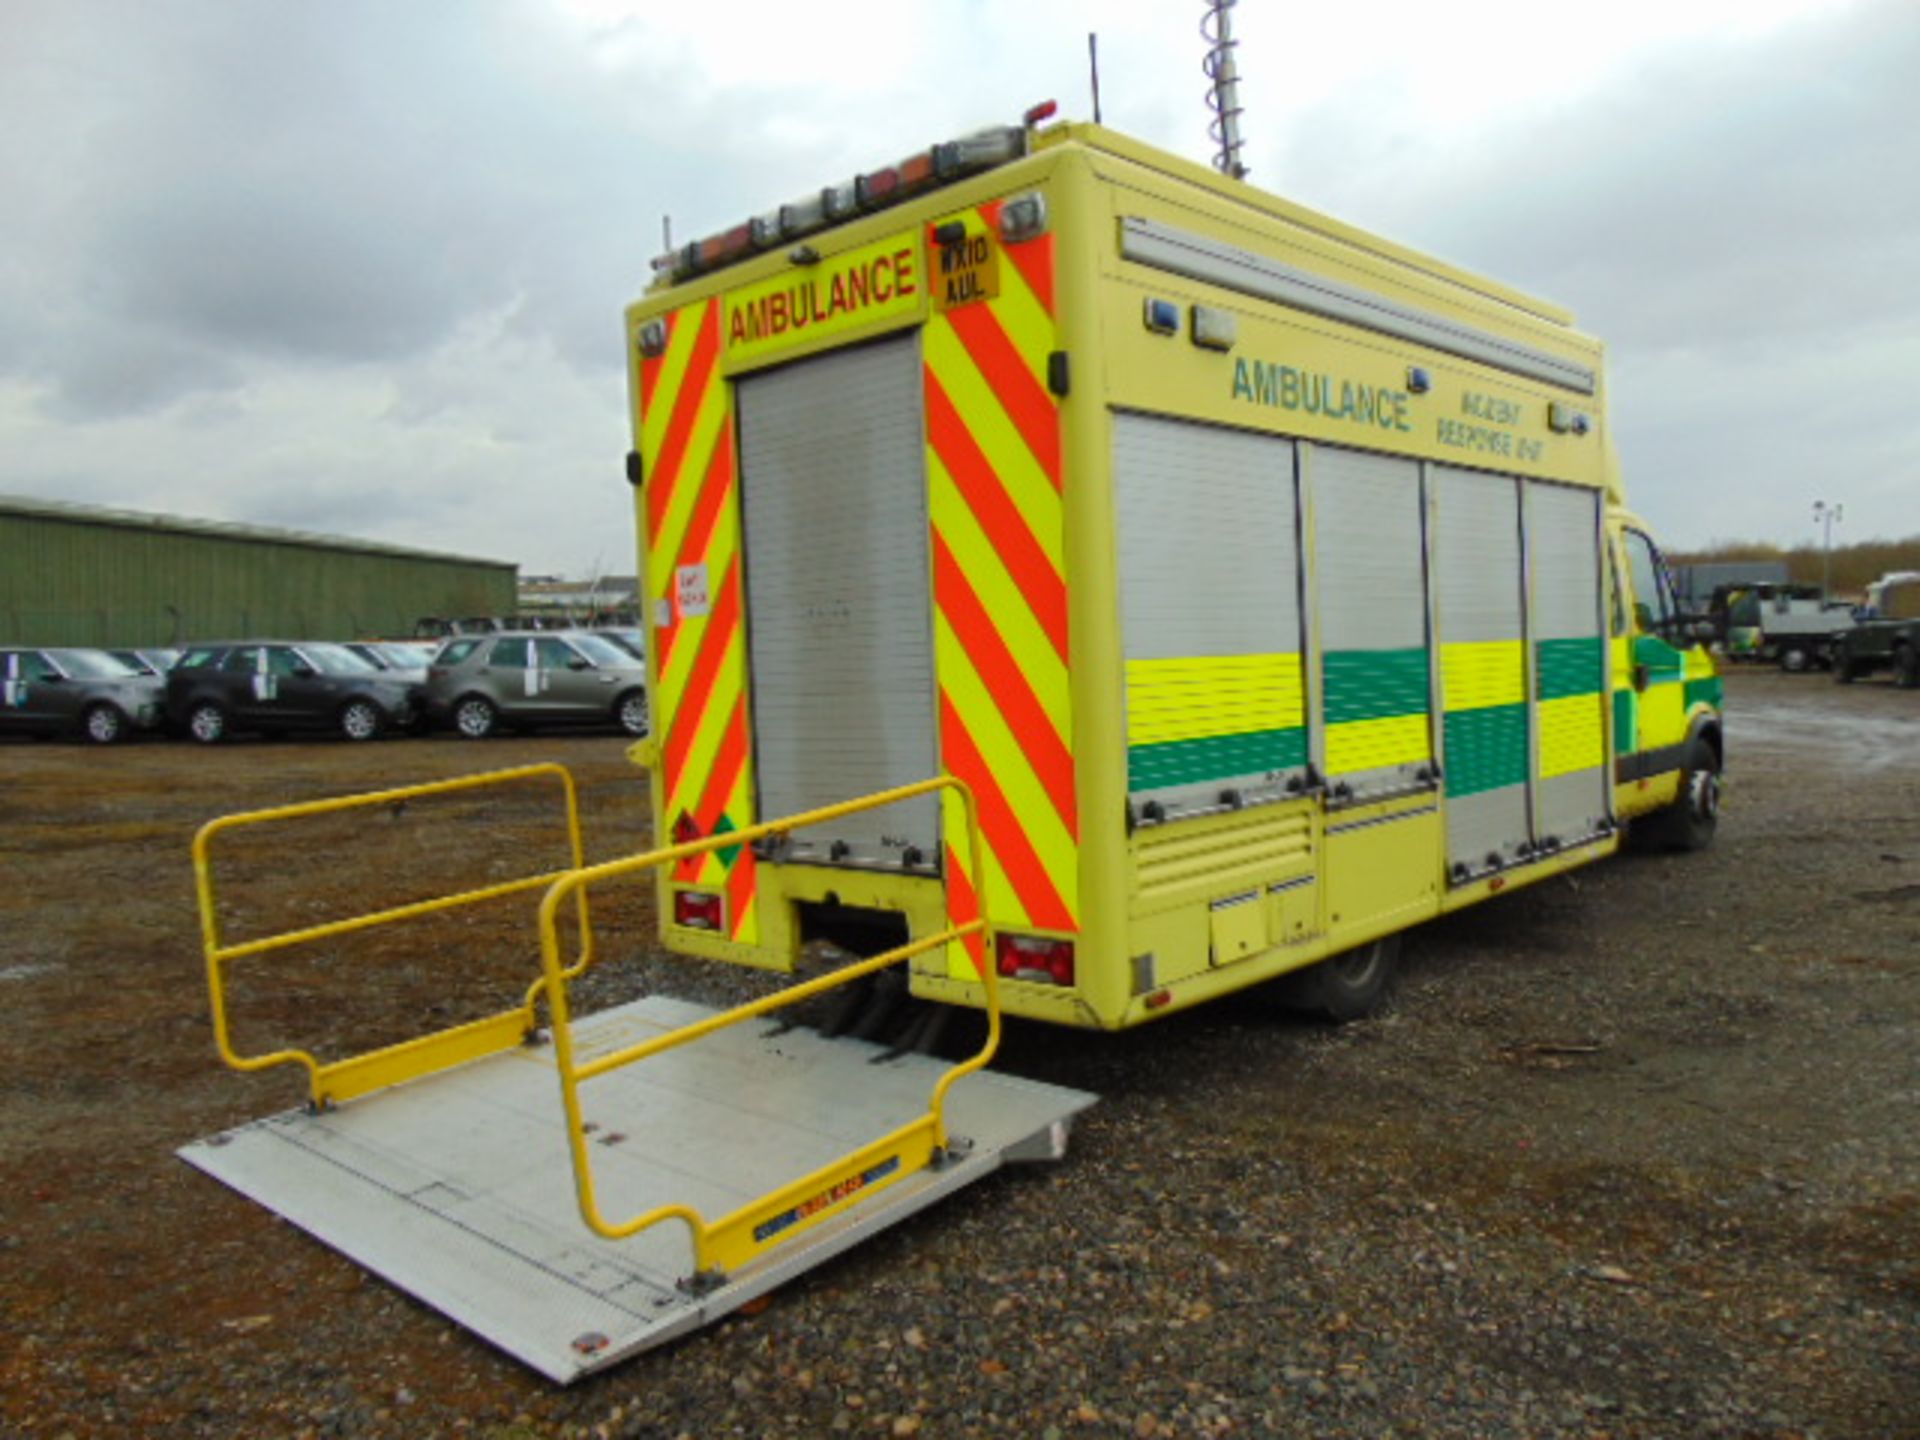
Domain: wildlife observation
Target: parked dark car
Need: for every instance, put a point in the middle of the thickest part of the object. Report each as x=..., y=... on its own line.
x=273, y=686
x=477, y=683
x=82, y=692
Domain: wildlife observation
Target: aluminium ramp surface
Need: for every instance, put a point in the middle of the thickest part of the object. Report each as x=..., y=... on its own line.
x=458, y=1187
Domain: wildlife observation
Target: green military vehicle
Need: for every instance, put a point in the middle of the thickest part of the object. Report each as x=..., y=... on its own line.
x=1887, y=637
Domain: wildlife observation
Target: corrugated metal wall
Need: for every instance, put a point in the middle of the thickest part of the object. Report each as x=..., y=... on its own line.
x=69, y=581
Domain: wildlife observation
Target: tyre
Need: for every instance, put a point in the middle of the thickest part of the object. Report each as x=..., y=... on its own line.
x=1348, y=986
x=1906, y=667
x=207, y=723
x=632, y=712
x=360, y=720
x=104, y=724
x=475, y=717
x=1843, y=671
x=1795, y=657
x=1690, y=822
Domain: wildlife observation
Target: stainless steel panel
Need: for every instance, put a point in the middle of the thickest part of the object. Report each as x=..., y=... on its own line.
x=1479, y=587
x=458, y=1188
x=1370, y=576
x=1366, y=516
x=1563, y=549
x=839, y=600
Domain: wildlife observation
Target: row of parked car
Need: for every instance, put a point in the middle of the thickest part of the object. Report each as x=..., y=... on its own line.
x=475, y=685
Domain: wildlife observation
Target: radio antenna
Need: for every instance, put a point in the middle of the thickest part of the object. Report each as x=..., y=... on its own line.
x=1093, y=68
x=1223, y=98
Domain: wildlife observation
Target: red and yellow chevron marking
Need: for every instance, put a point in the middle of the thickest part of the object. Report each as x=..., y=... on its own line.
x=995, y=482
x=690, y=517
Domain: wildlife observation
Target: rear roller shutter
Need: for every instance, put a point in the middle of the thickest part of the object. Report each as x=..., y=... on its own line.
x=840, y=635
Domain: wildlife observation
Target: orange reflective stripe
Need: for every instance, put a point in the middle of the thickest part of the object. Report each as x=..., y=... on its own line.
x=1042, y=745
x=693, y=390
x=1040, y=584
x=1019, y=391
x=1000, y=826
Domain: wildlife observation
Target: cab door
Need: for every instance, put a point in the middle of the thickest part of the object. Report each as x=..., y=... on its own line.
x=1651, y=665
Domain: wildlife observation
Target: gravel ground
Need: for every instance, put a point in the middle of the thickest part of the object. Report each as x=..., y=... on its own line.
x=1633, y=1153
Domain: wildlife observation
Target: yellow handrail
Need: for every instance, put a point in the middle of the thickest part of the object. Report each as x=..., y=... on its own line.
x=343, y=1079
x=763, y=1223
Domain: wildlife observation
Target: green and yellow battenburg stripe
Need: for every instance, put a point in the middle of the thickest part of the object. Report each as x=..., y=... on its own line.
x=1212, y=718
x=1568, y=678
x=1484, y=687
x=1375, y=709
x=996, y=505
x=689, y=517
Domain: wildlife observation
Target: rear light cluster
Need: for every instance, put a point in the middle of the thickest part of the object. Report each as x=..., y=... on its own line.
x=877, y=190
x=1032, y=957
x=698, y=910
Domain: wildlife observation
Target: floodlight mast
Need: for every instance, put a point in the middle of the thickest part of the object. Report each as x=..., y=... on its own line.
x=1216, y=28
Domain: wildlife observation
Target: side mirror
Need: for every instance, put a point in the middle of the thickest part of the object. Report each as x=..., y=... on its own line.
x=578, y=664
x=303, y=672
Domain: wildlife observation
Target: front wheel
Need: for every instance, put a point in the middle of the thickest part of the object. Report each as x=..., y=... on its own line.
x=105, y=725
x=1348, y=986
x=1843, y=671
x=1691, y=821
x=475, y=717
x=631, y=711
x=359, y=720
x=207, y=723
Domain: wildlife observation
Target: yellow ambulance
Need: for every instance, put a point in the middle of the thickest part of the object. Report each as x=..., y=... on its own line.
x=1268, y=584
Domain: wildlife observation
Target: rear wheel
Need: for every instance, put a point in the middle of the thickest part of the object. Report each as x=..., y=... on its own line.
x=104, y=724
x=359, y=720
x=1349, y=986
x=631, y=710
x=1906, y=667
x=1795, y=657
x=1690, y=822
x=207, y=723
x=475, y=717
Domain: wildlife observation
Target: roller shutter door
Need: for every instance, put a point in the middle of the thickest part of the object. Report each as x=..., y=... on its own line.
x=1370, y=573
x=1573, y=790
x=840, y=625
x=1210, y=615
x=1486, y=747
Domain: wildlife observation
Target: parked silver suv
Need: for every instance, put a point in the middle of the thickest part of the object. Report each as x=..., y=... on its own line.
x=524, y=679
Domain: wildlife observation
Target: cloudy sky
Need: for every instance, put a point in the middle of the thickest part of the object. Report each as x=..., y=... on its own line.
x=359, y=267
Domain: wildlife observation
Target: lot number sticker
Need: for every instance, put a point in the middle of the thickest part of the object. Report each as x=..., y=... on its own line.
x=690, y=591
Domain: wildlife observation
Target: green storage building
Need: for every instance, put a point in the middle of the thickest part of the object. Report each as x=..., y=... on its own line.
x=78, y=575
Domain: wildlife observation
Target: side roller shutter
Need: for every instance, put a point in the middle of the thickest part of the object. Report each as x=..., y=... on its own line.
x=1569, y=657
x=839, y=611
x=1479, y=591
x=1370, y=574
x=1210, y=615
